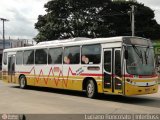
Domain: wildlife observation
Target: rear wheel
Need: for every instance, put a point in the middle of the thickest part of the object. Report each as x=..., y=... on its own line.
x=91, y=90
x=23, y=82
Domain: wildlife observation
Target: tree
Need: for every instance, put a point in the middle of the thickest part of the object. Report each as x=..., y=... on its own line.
x=94, y=18
x=145, y=24
x=71, y=18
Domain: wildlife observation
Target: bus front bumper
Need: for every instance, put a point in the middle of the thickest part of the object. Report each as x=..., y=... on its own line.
x=140, y=90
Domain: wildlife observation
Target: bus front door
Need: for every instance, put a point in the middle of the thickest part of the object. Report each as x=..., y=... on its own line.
x=112, y=80
x=11, y=69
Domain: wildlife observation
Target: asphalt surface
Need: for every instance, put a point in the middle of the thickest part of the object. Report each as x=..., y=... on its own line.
x=52, y=101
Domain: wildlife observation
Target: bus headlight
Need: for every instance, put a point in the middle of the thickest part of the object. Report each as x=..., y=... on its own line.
x=128, y=80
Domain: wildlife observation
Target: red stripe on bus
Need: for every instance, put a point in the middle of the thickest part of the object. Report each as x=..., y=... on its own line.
x=126, y=75
x=147, y=76
x=141, y=76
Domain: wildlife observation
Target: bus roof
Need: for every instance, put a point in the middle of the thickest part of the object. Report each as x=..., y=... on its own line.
x=70, y=42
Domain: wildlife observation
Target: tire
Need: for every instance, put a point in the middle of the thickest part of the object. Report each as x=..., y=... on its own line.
x=91, y=90
x=22, y=82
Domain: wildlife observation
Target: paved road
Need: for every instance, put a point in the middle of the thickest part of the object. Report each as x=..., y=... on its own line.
x=42, y=100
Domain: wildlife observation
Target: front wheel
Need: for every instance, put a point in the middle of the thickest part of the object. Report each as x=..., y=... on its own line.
x=22, y=82
x=91, y=90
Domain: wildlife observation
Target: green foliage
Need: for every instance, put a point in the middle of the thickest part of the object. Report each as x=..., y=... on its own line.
x=94, y=18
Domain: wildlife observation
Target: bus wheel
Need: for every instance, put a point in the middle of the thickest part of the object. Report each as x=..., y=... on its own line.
x=91, y=89
x=22, y=82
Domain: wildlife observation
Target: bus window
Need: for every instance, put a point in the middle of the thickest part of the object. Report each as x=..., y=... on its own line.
x=5, y=58
x=91, y=54
x=19, y=58
x=41, y=56
x=72, y=55
x=118, y=63
x=107, y=61
x=55, y=56
x=28, y=57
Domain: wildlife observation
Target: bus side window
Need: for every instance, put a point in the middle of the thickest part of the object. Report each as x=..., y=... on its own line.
x=91, y=54
x=72, y=55
x=19, y=58
x=55, y=56
x=41, y=56
x=28, y=57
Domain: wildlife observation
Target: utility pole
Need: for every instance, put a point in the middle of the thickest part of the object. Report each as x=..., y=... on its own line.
x=133, y=18
x=3, y=20
x=133, y=21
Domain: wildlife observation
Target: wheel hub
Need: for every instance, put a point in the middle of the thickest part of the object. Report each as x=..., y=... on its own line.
x=90, y=89
x=22, y=82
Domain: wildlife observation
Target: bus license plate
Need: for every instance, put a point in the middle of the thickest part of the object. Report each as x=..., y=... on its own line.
x=147, y=89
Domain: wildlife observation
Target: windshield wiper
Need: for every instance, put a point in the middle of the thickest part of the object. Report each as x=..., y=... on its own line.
x=146, y=56
x=139, y=53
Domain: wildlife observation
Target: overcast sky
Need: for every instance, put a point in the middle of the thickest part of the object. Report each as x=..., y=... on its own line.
x=23, y=14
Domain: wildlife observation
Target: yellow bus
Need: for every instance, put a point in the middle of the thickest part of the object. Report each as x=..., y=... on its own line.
x=118, y=65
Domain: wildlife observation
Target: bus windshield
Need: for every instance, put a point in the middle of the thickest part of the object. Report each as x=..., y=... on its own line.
x=140, y=60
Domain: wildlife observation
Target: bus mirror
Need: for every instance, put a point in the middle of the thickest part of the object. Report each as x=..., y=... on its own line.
x=126, y=54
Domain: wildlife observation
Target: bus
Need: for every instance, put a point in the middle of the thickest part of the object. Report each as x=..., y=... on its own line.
x=117, y=65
